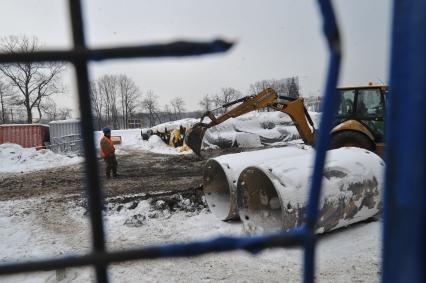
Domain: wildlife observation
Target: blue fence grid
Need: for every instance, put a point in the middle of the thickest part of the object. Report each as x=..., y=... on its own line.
x=404, y=225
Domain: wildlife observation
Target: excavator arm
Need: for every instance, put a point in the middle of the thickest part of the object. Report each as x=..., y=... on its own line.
x=294, y=107
x=300, y=117
x=249, y=103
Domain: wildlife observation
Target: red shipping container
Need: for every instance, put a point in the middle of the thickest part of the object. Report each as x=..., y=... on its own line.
x=26, y=135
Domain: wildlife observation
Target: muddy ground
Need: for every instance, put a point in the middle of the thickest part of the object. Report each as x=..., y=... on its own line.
x=140, y=173
x=49, y=211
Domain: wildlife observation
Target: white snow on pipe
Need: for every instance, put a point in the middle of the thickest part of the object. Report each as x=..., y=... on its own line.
x=221, y=176
x=273, y=195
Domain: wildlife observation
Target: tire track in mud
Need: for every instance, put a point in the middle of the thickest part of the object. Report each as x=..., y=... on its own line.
x=140, y=172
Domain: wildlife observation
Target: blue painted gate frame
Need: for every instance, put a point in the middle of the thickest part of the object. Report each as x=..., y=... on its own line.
x=405, y=205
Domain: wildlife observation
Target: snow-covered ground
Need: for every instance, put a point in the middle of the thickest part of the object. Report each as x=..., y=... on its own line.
x=61, y=228
x=14, y=159
x=54, y=225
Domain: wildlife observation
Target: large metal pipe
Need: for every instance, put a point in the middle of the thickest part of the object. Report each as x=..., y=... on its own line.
x=272, y=196
x=221, y=176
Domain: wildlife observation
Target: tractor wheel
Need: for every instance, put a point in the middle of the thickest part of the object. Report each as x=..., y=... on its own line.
x=351, y=138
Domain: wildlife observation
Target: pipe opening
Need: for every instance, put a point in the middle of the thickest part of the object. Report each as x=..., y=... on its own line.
x=258, y=202
x=216, y=190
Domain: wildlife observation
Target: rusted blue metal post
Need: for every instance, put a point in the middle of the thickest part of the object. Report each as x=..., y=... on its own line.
x=404, y=251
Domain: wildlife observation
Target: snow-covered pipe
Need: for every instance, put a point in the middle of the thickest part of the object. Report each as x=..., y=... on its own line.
x=273, y=195
x=221, y=176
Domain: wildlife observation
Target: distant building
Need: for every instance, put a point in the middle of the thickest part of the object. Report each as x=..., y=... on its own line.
x=134, y=124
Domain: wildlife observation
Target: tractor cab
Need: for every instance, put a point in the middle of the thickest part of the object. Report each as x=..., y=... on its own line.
x=361, y=111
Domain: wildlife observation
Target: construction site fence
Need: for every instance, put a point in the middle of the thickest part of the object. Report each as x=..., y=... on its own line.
x=66, y=144
x=404, y=229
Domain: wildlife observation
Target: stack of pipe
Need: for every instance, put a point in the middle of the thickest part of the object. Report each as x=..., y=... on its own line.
x=268, y=189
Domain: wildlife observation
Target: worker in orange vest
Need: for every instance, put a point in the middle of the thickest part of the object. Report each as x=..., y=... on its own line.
x=108, y=154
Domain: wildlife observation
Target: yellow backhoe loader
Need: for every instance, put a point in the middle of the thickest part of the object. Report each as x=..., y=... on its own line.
x=359, y=117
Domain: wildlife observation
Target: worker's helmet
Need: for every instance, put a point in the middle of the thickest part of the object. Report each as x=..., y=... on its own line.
x=106, y=130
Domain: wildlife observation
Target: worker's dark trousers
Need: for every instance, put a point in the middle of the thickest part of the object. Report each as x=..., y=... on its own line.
x=111, y=165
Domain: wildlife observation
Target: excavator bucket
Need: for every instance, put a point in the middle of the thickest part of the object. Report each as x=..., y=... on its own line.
x=194, y=138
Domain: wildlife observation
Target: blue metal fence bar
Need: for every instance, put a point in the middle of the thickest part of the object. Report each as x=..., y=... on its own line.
x=93, y=185
x=172, y=49
x=322, y=140
x=404, y=245
x=195, y=248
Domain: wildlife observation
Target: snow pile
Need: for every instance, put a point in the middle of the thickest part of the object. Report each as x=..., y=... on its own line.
x=128, y=137
x=14, y=158
x=187, y=123
x=154, y=144
x=254, y=129
x=132, y=140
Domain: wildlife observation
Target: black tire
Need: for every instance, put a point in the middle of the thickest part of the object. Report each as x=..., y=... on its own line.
x=351, y=138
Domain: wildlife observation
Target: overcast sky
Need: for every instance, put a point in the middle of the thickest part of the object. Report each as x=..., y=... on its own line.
x=276, y=39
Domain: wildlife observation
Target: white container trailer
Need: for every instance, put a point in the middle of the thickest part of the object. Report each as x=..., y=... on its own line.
x=65, y=136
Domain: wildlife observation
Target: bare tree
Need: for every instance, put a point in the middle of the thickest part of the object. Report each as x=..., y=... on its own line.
x=283, y=87
x=50, y=108
x=260, y=86
x=34, y=81
x=227, y=95
x=206, y=103
x=53, y=112
x=150, y=104
x=16, y=114
x=114, y=99
x=178, y=105
x=129, y=93
x=64, y=113
x=97, y=103
x=3, y=102
x=40, y=111
x=168, y=112
x=107, y=86
x=6, y=100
